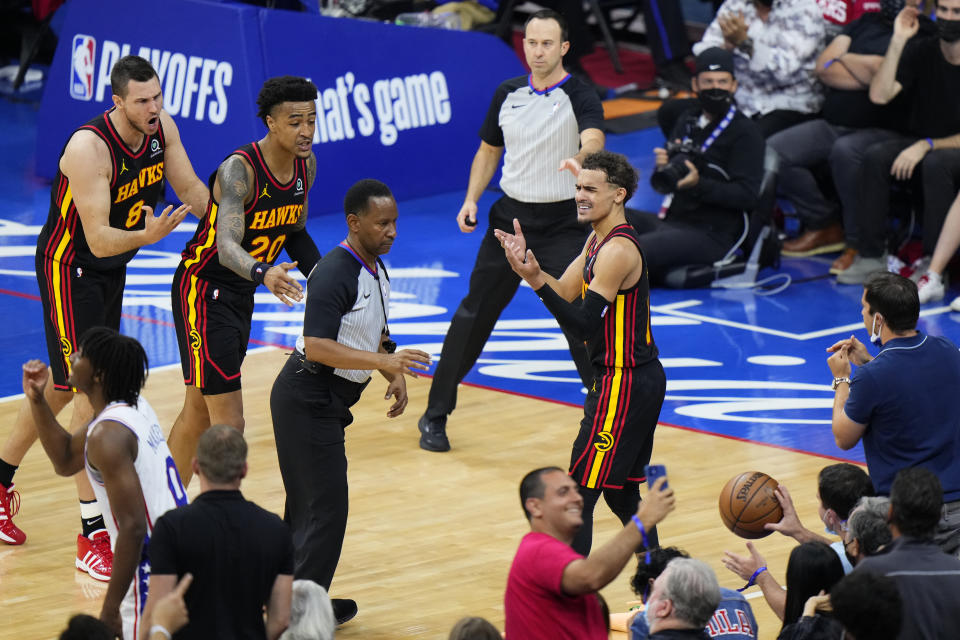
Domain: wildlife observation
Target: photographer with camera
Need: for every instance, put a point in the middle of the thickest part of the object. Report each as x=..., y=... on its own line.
x=709, y=171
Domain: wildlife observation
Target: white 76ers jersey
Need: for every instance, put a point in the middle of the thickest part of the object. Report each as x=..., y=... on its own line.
x=159, y=480
x=162, y=491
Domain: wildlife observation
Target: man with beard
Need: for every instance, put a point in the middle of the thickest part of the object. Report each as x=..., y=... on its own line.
x=110, y=177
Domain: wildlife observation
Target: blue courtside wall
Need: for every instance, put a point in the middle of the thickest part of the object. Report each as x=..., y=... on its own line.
x=219, y=44
x=402, y=103
x=392, y=71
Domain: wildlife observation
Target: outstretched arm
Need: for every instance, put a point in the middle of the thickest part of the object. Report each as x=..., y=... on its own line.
x=64, y=449
x=86, y=164
x=594, y=572
x=515, y=246
x=234, y=179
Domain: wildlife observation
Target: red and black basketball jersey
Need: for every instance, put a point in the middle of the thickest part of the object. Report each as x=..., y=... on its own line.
x=268, y=218
x=137, y=180
x=625, y=339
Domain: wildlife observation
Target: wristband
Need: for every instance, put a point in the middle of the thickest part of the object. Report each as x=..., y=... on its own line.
x=829, y=62
x=753, y=579
x=258, y=271
x=643, y=536
x=930, y=142
x=159, y=628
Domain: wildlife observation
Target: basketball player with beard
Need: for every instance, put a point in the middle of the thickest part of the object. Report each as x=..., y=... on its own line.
x=110, y=177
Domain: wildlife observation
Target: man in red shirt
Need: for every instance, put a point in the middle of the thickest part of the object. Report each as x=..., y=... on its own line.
x=551, y=590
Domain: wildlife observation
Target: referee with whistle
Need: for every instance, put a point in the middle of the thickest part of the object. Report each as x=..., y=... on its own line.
x=345, y=337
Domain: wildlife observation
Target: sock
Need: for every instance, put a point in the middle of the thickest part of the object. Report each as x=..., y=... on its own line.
x=933, y=276
x=6, y=473
x=90, y=518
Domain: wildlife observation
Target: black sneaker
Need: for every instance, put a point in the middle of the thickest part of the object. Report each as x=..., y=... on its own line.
x=343, y=609
x=433, y=434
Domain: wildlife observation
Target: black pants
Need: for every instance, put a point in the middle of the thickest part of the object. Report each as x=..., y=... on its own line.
x=668, y=244
x=310, y=412
x=556, y=238
x=939, y=175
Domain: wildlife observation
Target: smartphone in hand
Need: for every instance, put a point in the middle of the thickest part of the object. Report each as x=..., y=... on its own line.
x=653, y=472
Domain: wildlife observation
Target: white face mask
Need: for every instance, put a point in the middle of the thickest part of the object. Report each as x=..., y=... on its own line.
x=875, y=332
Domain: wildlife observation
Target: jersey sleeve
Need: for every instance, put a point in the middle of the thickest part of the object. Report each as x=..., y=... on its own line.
x=331, y=292
x=586, y=107
x=490, y=132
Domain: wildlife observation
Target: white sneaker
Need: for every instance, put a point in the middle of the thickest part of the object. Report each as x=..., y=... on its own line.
x=930, y=287
x=955, y=305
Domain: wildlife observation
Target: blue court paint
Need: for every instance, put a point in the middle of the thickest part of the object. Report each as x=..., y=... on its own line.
x=739, y=365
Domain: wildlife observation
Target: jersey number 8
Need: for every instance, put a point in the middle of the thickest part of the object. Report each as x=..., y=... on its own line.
x=136, y=212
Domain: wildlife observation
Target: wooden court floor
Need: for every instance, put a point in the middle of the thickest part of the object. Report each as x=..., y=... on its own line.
x=430, y=536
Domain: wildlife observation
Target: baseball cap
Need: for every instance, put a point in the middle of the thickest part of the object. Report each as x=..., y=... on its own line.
x=715, y=59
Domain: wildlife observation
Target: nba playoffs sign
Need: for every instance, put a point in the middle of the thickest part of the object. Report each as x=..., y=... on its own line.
x=402, y=104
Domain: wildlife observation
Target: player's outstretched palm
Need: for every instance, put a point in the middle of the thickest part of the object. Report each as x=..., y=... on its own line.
x=282, y=284
x=159, y=226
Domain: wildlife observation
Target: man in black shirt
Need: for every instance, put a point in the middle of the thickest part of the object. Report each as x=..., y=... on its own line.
x=345, y=337
x=240, y=556
x=704, y=208
x=926, y=73
x=838, y=140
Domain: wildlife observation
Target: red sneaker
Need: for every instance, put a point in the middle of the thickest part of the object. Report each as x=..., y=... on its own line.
x=9, y=506
x=94, y=555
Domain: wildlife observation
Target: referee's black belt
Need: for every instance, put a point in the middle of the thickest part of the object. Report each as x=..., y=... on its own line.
x=325, y=372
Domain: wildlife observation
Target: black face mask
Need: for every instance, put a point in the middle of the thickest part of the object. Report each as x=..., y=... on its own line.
x=948, y=30
x=766, y=3
x=715, y=102
x=890, y=8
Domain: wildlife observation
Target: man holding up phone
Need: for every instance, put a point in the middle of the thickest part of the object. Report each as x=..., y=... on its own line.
x=603, y=298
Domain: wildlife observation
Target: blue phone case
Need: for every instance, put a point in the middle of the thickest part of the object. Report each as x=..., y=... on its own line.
x=653, y=472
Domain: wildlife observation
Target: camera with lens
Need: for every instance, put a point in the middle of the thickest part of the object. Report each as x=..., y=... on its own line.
x=664, y=179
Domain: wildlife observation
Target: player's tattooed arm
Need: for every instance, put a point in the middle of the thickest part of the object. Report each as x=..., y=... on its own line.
x=234, y=180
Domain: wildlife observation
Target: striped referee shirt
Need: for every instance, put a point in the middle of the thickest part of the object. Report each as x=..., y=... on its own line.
x=539, y=130
x=347, y=302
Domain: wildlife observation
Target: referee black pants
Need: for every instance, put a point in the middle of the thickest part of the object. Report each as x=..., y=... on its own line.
x=556, y=238
x=310, y=412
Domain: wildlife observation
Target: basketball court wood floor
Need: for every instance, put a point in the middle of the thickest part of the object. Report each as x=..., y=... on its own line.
x=430, y=536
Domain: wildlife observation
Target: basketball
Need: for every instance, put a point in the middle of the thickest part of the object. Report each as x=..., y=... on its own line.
x=747, y=503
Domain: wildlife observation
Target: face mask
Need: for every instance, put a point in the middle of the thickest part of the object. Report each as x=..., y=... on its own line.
x=875, y=333
x=766, y=3
x=716, y=102
x=890, y=8
x=948, y=30
x=646, y=616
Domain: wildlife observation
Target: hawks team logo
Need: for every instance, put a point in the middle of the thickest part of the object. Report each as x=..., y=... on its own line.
x=195, y=340
x=605, y=442
x=81, y=68
x=66, y=347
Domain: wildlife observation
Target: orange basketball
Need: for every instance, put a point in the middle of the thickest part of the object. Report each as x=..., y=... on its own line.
x=747, y=503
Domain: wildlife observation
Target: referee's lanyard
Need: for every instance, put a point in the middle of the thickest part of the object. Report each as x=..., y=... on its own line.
x=720, y=128
x=376, y=276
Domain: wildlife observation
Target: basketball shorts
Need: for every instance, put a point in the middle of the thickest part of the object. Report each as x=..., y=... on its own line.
x=616, y=434
x=213, y=328
x=75, y=299
x=131, y=607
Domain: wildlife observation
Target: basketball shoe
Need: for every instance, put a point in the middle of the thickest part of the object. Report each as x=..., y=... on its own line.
x=94, y=555
x=9, y=506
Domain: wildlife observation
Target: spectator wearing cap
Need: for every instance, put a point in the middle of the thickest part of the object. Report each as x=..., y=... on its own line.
x=774, y=44
x=708, y=184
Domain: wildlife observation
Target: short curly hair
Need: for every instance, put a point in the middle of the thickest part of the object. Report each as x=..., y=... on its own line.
x=283, y=89
x=620, y=173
